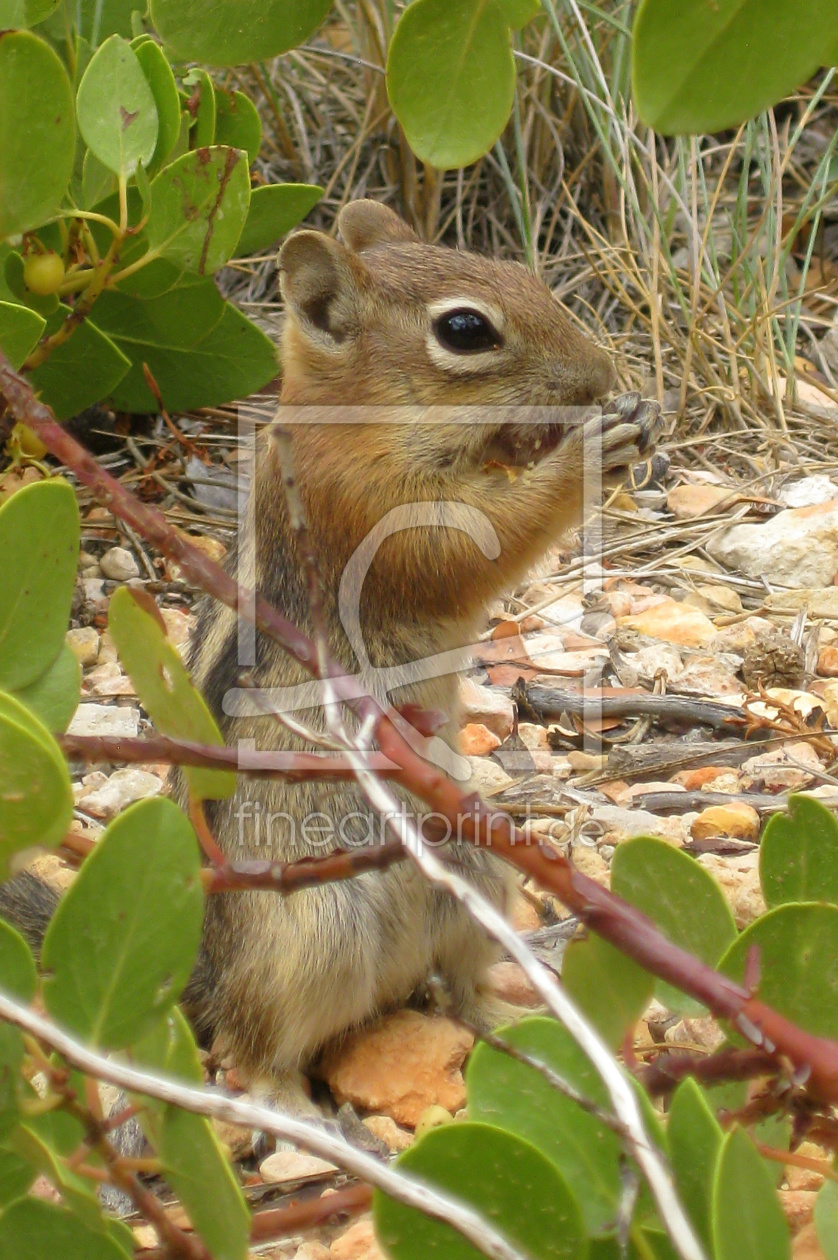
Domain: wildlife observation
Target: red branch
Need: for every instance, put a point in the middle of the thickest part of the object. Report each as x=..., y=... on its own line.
x=255, y=763
x=814, y=1058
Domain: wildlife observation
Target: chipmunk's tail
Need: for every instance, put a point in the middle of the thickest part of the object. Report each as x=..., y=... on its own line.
x=28, y=903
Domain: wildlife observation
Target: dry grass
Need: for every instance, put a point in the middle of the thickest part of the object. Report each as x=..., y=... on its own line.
x=708, y=265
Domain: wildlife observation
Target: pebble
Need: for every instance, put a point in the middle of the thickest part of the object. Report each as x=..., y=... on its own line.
x=293, y=1166
x=797, y=547
x=358, y=1243
x=487, y=706
x=121, y=790
x=105, y=719
x=388, y=1132
x=400, y=1066
x=672, y=622
x=687, y=501
x=118, y=564
x=738, y=821
x=84, y=644
x=828, y=661
x=312, y=1250
x=476, y=740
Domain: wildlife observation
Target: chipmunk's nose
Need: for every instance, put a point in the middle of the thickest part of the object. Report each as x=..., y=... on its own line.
x=585, y=379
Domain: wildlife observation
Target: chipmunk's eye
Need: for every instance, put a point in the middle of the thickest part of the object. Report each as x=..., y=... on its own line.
x=466, y=331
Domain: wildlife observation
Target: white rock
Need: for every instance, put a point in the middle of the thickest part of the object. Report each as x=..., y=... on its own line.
x=488, y=707
x=121, y=790
x=104, y=719
x=293, y=1166
x=94, y=590
x=808, y=490
x=119, y=565
x=84, y=644
x=798, y=547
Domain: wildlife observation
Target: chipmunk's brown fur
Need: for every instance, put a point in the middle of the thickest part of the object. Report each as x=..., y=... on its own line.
x=366, y=329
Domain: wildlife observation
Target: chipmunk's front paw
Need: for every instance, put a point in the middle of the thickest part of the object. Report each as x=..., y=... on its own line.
x=624, y=432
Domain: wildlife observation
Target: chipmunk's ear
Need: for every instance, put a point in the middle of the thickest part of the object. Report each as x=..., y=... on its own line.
x=364, y=224
x=318, y=283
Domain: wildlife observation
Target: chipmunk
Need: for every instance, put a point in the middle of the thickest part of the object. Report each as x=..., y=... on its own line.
x=458, y=508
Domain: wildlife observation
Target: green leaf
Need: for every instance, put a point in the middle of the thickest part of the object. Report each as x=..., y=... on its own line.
x=97, y=180
x=611, y=989
x=20, y=331
x=36, y=799
x=681, y=898
x=181, y=316
x=748, y=1222
x=499, y=1175
x=234, y=359
x=54, y=696
x=39, y=543
x=32, y=1229
x=798, y=963
x=22, y=13
x=195, y=1165
x=451, y=78
x=116, y=108
x=18, y=980
x=99, y=19
x=695, y=1139
x=798, y=856
x=826, y=1219
x=82, y=371
x=202, y=110
x=705, y=67
x=164, y=687
x=161, y=80
x=121, y=944
x=37, y=132
x=274, y=210
x=517, y=1098
x=518, y=12
x=237, y=123
x=16, y=1176
x=199, y=207
x=231, y=32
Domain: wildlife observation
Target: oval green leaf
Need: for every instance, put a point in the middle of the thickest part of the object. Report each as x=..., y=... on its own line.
x=517, y=1098
x=748, y=1222
x=695, y=1139
x=681, y=898
x=798, y=963
x=274, y=210
x=37, y=134
x=198, y=208
x=160, y=79
x=36, y=799
x=17, y=979
x=165, y=688
x=826, y=1219
x=39, y=543
x=798, y=855
x=31, y=1229
x=233, y=360
x=122, y=943
x=82, y=371
x=17, y=13
x=706, y=67
x=116, y=108
x=451, y=79
x=496, y=1173
x=237, y=123
x=612, y=990
x=54, y=696
x=195, y=1165
x=20, y=331
x=231, y=32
